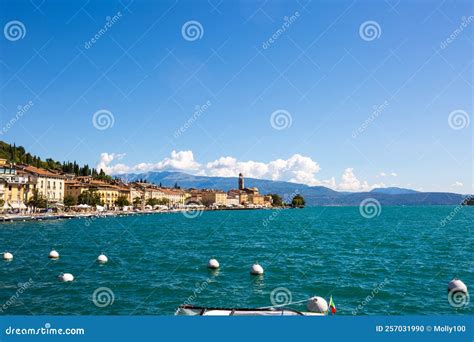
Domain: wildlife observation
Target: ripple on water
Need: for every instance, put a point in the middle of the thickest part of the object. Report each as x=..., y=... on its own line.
x=397, y=263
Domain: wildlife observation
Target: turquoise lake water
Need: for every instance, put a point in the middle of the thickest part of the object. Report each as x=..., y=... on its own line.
x=398, y=263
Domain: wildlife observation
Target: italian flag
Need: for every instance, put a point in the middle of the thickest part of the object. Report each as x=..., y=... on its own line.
x=332, y=305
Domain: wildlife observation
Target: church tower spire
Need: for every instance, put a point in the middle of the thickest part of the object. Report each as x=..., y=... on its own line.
x=241, y=181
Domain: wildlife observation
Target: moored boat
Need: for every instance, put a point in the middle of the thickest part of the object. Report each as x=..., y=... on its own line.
x=192, y=310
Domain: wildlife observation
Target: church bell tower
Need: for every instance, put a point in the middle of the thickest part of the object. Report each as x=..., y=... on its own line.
x=241, y=181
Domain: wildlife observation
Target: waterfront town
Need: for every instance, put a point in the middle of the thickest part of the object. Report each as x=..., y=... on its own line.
x=26, y=189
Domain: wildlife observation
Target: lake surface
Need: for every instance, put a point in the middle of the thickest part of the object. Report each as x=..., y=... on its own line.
x=397, y=263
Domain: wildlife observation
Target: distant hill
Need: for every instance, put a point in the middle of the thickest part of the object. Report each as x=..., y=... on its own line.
x=314, y=195
x=394, y=191
x=184, y=180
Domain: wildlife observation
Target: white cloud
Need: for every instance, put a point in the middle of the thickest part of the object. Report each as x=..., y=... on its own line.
x=330, y=182
x=457, y=184
x=296, y=169
x=106, y=159
x=182, y=161
x=349, y=182
x=385, y=174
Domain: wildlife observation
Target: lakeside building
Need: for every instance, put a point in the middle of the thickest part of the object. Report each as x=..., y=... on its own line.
x=19, y=182
x=232, y=201
x=108, y=193
x=14, y=187
x=176, y=197
x=214, y=198
x=146, y=191
x=254, y=197
x=136, y=192
x=249, y=196
x=268, y=200
x=195, y=196
x=239, y=194
x=49, y=184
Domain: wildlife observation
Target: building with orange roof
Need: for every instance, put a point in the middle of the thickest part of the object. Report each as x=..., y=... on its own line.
x=14, y=187
x=49, y=184
x=109, y=193
x=214, y=197
x=176, y=197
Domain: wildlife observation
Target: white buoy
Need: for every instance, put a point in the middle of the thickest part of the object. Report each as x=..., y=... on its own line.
x=102, y=259
x=213, y=264
x=53, y=254
x=317, y=304
x=7, y=256
x=256, y=269
x=456, y=285
x=66, y=277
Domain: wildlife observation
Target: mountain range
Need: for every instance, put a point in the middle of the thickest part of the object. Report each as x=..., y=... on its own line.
x=314, y=195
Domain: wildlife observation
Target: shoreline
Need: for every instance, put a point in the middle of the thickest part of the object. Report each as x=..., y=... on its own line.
x=99, y=214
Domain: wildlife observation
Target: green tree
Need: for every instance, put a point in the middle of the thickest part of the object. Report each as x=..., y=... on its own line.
x=468, y=201
x=277, y=200
x=69, y=201
x=137, y=202
x=152, y=201
x=90, y=197
x=298, y=201
x=37, y=200
x=163, y=201
x=122, y=201
x=101, y=175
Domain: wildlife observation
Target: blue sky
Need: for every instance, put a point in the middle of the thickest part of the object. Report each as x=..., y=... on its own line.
x=210, y=97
